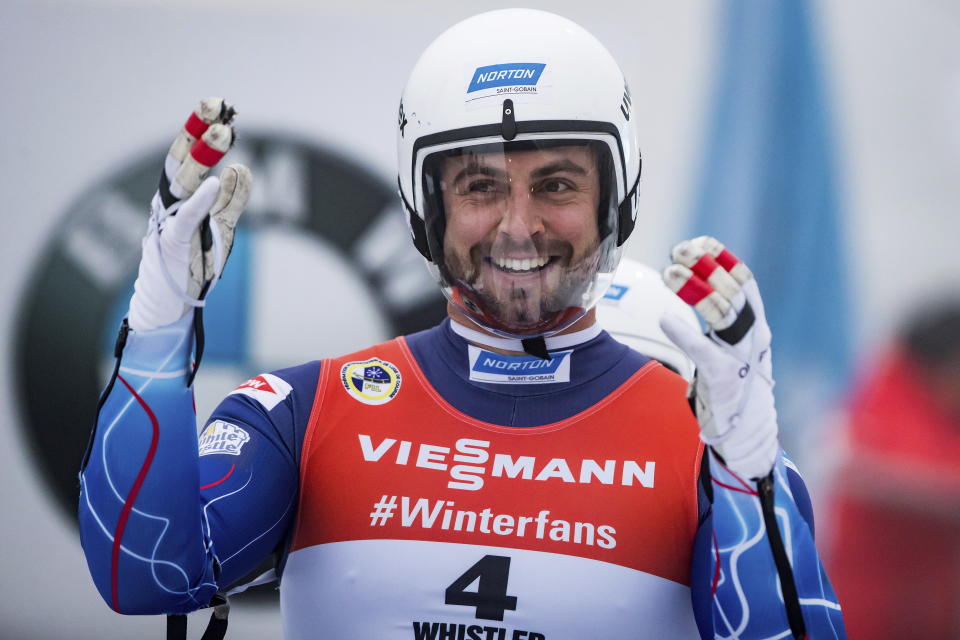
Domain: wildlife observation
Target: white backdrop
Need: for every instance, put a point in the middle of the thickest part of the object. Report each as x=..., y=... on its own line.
x=87, y=86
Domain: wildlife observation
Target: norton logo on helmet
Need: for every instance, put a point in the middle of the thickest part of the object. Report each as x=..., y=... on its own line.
x=506, y=75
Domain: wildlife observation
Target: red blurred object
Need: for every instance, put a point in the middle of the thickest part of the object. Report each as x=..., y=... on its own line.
x=895, y=554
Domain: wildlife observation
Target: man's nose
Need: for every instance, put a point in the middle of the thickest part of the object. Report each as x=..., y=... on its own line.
x=521, y=219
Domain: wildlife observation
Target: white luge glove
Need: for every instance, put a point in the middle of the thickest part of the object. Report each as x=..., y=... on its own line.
x=192, y=220
x=733, y=384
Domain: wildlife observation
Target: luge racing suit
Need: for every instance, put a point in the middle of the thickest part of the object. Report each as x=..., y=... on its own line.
x=427, y=488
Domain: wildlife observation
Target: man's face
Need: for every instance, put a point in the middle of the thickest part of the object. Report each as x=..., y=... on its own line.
x=521, y=229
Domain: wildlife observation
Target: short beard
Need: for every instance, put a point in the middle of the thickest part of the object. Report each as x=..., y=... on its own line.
x=527, y=307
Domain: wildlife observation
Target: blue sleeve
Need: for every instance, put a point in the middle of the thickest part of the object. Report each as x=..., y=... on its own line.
x=736, y=586
x=164, y=523
x=250, y=495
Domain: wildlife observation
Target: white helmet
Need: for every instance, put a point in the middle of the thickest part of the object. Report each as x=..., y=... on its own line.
x=519, y=168
x=631, y=312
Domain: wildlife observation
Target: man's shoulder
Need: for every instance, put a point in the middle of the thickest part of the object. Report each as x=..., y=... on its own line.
x=297, y=372
x=270, y=389
x=394, y=346
x=305, y=375
x=391, y=346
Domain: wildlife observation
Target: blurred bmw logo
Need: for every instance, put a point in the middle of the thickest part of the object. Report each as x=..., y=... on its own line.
x=322, y=265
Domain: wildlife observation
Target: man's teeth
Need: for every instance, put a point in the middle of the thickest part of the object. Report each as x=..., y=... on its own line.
x=519, y=265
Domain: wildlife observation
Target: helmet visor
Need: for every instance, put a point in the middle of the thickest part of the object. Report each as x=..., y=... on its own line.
x=523, y=233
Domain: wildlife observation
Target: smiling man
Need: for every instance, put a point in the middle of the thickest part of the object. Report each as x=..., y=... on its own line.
x=513, y=473
x=521, y=242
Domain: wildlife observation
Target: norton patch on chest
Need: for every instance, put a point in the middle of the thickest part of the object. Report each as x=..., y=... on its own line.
x=487, y=366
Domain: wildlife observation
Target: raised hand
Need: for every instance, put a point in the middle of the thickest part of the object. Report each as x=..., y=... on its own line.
x=733, y=385
x=192, y=220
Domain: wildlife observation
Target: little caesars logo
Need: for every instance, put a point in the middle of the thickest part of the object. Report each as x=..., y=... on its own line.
x=222, y=437
x=471, y=456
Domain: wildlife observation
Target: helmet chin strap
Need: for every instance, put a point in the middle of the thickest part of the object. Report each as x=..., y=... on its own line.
x=536, y=346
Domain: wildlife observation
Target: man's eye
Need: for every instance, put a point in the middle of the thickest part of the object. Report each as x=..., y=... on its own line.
x=482, y=186
x=556, y=186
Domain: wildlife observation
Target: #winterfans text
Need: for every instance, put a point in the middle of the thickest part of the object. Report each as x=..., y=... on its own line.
x=428, y=514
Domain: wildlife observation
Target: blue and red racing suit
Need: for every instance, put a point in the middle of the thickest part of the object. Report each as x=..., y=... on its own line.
x=427, y=488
